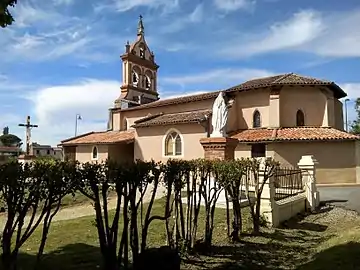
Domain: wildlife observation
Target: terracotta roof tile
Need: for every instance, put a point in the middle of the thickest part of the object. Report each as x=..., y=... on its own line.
x=105, y=137
x=282, y=79
x=172, y=118
x=293, y=134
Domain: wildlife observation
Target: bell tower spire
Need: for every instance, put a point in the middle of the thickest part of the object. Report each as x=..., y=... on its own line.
x=139, y=76
x=140, y=29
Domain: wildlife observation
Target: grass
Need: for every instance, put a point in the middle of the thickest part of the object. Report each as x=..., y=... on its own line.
x=305, y=243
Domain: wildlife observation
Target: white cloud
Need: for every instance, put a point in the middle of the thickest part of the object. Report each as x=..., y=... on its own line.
x=55, y=108
x=300, y=29
x=328, y=35
x=224, y=77
x=89, y=97
x=352, y=90
x=233, y=5
x=63, y=2
x=27, y=13
x=126, y=5
x=181, y=22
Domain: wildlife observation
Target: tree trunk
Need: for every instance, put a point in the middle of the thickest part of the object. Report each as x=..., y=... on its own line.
x=235, y=234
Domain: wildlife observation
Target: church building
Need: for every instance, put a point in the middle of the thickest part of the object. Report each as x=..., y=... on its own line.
x=284, y=116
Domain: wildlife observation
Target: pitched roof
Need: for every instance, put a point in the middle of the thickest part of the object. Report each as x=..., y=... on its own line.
x=173, y=118
x=293, y=134
x=104, y=137
x=277, y=80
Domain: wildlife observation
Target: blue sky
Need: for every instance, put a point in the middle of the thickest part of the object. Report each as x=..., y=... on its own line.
x=61, y=57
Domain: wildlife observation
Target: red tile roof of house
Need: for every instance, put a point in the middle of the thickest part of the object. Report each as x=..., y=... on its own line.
x=106, y=137
x=293, y=134
x=290, y=79
x=173, y=118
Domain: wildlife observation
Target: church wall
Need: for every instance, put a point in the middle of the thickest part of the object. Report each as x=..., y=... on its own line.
x=338, y=114
x=84, y=152
x=337, y=160
x=247, y=102
x=149, y=143
x=243, y=151
x=310, y=100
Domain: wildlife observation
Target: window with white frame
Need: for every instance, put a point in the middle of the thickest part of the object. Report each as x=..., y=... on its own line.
x=173, y=144
x=94, y=154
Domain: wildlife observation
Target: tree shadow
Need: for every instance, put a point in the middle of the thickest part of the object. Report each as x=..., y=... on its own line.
x=282, y=248
x=82, y=256
x=345, y=256
x=75, y=256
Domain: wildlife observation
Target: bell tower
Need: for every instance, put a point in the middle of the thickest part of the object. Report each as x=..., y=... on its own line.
x=139, y=73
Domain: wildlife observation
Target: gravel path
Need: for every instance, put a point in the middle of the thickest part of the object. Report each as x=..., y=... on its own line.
x=87, y=209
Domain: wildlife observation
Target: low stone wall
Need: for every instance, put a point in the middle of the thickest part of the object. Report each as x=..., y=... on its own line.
x=288, y=208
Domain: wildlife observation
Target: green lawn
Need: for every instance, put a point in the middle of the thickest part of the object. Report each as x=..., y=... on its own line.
x=312, y=242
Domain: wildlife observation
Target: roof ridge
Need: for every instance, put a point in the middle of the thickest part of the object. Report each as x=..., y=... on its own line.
x=78, y=136
x=282, y=77
x=148, y=117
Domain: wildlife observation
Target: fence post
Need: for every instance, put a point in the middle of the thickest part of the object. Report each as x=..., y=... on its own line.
x=268, y=207
x=307, y=164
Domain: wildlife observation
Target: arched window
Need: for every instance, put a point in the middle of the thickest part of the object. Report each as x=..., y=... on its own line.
x=135, y=78
x=173, y=144
x=147, y=82
x=300, y=118
x=94, y=154
x=256, y=119
x=125, y=124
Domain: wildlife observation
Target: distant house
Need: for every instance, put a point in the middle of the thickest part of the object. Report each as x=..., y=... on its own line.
x=10, y=149
x=41, y=150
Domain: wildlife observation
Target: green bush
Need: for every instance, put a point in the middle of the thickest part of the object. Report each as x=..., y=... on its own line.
x=37, y=189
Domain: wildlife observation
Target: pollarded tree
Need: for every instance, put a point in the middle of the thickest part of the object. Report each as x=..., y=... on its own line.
x=32, y=193
x=5, y=16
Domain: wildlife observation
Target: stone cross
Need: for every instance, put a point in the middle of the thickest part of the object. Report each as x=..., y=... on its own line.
x=28, y=127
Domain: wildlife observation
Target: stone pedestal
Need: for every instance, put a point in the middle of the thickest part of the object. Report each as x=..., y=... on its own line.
x=26, y=158
x=219, y=148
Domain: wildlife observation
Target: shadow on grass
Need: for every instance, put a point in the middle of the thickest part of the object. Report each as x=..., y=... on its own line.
x=283, y=248
x=344, y=256
x=82, y=256
x=74, y=256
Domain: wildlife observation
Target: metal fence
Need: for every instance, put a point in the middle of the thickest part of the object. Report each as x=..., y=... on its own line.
x=288, y=182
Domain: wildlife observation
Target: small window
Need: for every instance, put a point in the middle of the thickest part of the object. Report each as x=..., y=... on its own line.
x=300, y=119
x=94, y=154
x=38, y=152
x=256, y=119
x=258, y=150
x=173, y=144
x=48, y=152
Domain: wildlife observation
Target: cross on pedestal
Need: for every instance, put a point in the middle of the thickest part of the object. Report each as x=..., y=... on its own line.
x=28, y=127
